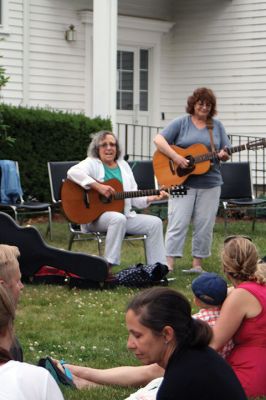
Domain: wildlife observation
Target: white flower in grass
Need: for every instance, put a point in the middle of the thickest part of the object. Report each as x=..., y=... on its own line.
x=36, y=343
x=82, y=348
x=94, y=347
x=31, y=348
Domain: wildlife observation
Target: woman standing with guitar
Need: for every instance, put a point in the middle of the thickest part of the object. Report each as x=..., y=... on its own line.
x=201, y=203
x=101, y=165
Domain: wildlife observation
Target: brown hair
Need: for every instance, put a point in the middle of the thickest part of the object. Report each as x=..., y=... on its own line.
x=7, y=316
x=240, y=260
x=93, y=149
x=158, y=307
x=204, y=95
x=8, y=259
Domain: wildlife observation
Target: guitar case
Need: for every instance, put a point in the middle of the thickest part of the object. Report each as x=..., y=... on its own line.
x=35, y=253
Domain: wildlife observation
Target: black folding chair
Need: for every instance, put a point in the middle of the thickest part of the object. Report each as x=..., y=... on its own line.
x=18, y=208
x=237, y=191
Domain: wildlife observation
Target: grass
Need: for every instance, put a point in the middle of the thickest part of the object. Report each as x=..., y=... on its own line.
x=87, y=326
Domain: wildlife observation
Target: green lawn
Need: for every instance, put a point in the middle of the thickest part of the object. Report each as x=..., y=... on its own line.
x=87, y=326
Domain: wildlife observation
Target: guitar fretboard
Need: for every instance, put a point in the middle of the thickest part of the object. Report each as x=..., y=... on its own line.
x=137, y=193
x=230, y=150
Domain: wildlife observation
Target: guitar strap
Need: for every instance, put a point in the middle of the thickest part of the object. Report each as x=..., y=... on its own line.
x=210, y=129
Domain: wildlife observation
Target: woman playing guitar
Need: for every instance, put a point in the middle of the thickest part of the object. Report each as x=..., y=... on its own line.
x=102, y=164
x=202, y=200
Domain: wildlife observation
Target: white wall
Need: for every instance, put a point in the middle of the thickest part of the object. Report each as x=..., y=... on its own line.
x=221, y=45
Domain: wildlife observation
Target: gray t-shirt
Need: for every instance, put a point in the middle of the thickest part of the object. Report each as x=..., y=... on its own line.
x=183, y=133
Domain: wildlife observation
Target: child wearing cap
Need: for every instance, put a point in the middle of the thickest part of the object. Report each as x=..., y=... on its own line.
x=210, y=291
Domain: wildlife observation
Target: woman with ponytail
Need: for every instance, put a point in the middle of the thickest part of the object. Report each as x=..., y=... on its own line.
x=243, y=314
x=162, y=330
x=19, y=380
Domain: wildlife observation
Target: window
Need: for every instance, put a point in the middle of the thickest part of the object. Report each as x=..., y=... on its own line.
x=132, y=79
x=125, y=77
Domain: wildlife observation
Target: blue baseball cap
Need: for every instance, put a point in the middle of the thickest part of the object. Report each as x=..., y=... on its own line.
x=210, y=288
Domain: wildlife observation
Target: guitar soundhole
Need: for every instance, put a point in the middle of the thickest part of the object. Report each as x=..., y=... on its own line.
x=105, y=200
x=189, y=169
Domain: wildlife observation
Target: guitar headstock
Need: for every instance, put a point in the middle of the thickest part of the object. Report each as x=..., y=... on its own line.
x=178, y=190
x=256, y=144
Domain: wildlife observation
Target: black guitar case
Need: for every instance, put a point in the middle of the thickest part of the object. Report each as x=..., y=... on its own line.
x=36, y=254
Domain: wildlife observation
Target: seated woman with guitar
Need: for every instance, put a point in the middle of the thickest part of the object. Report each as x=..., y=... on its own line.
x=102, y=172
x=190, y=149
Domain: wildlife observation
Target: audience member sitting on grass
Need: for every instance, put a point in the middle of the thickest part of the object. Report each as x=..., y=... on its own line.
x=162, y=330
x=210, y=291
x=250, y=312
x=10, y=277
x=243, y=315
x=19, y=380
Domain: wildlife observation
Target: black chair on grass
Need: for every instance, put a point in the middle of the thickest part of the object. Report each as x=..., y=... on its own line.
x=57, y=171
x=14, y=204
x=237, y=191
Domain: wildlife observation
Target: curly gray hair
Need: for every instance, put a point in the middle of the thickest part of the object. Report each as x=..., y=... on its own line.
x=93, y=149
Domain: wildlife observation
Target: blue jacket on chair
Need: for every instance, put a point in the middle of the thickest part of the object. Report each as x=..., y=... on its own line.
x=10, y=182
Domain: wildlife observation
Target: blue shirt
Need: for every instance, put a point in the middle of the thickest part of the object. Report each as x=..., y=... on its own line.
x=183, y=133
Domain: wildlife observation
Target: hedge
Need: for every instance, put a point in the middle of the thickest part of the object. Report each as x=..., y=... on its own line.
x=43, y=135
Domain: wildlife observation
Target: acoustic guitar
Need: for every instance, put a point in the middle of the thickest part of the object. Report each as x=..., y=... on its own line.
x=35, y=253
x=83, y=206
x=168, y=173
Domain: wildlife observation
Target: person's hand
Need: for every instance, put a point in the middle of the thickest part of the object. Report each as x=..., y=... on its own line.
x=105, y=190
x=181, y=161
x=223, y=155
x=163, y=195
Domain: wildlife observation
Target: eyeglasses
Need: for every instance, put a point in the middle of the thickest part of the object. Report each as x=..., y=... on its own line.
x=205, y=104
x=229, y=238
x=105, y=145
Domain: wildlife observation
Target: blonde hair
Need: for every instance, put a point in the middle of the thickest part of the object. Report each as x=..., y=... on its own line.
x=260, y=273
x=240, y=260
x=8, y=259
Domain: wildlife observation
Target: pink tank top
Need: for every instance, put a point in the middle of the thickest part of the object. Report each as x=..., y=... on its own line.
x=252, y=331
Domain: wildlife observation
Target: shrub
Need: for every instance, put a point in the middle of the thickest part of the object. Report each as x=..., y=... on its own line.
x=44, y=135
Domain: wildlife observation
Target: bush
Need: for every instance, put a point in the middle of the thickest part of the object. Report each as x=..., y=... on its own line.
x=43, y=135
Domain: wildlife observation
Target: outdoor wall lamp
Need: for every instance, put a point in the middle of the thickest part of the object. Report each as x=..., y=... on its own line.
x=71, y=34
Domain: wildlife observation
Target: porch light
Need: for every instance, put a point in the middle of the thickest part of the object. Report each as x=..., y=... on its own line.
x=71, y=34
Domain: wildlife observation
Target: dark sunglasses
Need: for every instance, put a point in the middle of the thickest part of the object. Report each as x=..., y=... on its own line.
x=229, y=238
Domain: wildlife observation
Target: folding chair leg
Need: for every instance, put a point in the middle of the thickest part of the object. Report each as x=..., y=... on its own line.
x=99, y=243
x=71, y=239
x=254, y=219
x=49, y=227
x=145, y=253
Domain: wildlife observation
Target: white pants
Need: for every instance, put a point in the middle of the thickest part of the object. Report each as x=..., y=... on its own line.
x=116, y=225
x=199, y=206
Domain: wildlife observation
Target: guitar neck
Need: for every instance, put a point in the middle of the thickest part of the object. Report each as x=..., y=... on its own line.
x=213, y=155
x=137, y=193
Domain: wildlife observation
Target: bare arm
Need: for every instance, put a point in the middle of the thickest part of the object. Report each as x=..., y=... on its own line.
x=165, y=148
x=238, y=305
x=122, y=376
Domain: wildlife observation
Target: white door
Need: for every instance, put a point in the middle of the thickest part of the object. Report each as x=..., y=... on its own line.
x=133, y=86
